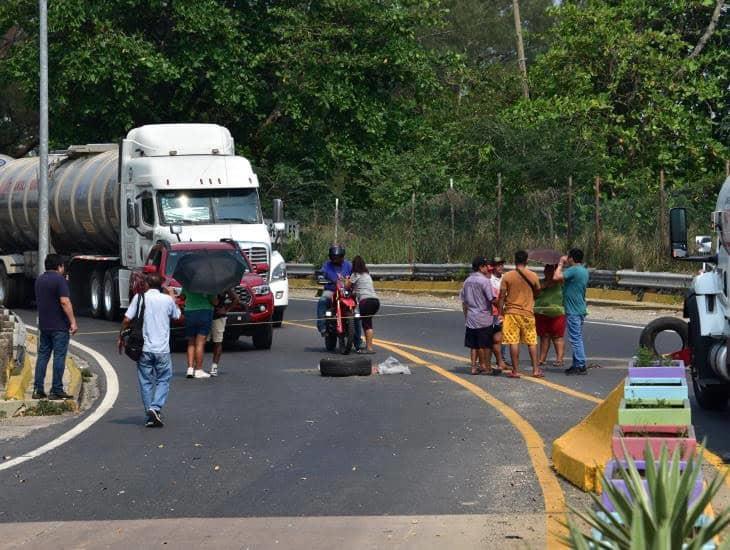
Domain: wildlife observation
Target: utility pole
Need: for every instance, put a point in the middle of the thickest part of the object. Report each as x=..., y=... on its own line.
x=521, y=59
x=43, y=138
x=337, y=218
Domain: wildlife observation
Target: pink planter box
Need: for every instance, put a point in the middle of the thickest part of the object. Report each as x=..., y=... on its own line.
x=635, y=438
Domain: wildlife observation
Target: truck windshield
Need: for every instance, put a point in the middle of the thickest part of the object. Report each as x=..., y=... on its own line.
x=174, y=257
x=209, y=206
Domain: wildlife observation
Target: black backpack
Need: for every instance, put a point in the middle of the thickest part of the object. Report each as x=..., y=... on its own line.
x=133, y=336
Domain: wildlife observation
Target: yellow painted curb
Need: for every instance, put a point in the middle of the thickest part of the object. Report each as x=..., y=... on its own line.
x=17, y=384
x=74, y=382
x=581, y=453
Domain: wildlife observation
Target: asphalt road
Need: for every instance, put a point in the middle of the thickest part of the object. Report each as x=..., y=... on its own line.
x=271, y=438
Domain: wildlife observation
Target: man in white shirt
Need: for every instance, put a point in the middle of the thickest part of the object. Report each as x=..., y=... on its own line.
x=154, y=368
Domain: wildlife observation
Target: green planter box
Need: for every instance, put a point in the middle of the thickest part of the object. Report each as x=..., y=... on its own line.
x=633, y=415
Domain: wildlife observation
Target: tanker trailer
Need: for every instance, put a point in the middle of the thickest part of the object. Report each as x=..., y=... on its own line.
x=109, y=204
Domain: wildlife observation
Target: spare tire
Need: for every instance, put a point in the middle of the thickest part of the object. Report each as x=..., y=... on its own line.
x=345, y=366
x=663, y=324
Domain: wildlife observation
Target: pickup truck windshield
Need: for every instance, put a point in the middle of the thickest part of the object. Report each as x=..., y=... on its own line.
x=174, y=257
x=209, y=206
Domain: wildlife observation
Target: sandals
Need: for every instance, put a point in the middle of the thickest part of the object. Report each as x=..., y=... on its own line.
x=512, y=374
x=539, y=374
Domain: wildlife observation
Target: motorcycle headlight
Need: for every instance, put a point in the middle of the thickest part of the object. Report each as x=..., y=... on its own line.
x=261, y=290
x=279, y=272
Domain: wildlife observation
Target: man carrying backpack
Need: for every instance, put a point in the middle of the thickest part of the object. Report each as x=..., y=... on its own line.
x=154, y=366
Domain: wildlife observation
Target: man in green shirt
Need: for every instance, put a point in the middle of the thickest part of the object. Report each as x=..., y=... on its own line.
x=575, y=276
x=198, y=321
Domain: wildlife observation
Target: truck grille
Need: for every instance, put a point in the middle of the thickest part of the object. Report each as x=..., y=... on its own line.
x=256, y=254
x=243, y=295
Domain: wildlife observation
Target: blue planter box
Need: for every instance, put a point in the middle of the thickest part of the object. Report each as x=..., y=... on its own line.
x=651, y=392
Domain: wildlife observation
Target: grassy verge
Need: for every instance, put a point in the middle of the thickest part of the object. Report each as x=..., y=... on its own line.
x=49, y=408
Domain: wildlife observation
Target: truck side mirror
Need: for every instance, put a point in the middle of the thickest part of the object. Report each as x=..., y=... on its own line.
x=277, y=215
x=132, y=214
x=678, y=232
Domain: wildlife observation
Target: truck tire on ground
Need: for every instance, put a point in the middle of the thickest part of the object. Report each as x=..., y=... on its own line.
x=712, y=397
x=263, y=337
x=110, y=294
x=663, y=324
x=96, y=293
x=345, y=366
x=278, y=317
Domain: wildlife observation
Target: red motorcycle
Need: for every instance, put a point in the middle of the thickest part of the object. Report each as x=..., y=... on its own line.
x=339, y=318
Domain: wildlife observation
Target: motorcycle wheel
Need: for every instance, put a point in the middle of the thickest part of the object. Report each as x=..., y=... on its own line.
x=347, y=338
x=330, y=341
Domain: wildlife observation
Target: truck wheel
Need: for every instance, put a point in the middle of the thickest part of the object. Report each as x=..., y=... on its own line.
x=278, y=317
x=663, y=324
x=6, y=288
x=713, y=397
x=96, y=298
x=349, y=366
x=263, y=337
x=111, y=294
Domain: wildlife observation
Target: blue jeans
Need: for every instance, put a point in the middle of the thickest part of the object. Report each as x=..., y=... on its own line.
x=575, y=337
x=154, y=371
x=322, y=304
x=55, y=341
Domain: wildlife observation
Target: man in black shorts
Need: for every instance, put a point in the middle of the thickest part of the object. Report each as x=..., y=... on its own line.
x=476, y=298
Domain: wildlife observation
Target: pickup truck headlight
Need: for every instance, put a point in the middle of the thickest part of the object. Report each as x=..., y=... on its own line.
x=261, y=290
x=279, y=272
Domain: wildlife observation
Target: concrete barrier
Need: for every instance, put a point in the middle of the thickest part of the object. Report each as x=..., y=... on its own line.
x=581, y=453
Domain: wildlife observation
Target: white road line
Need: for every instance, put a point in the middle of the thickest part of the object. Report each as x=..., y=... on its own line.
x=112, y=391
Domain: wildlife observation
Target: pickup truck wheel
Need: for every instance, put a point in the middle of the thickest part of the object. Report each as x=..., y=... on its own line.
x=263, y=337
x=712, y=397
x=96, y=288
x=278, y=317
x=7, y=288
x=111, y=294
x=345, y=366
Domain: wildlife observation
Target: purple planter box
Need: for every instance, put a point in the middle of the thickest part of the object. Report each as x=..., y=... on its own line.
x=614, y=465
x=635, y=439
x=677, y=370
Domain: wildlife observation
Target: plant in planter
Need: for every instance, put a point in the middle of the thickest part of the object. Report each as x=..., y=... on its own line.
x=653, y=512
x=645, y=413
x=659, y=391
x=634, y=439
x=657, y=367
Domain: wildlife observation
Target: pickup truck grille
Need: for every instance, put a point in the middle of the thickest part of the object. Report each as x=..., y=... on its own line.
x=256, y=254
x=243, y=295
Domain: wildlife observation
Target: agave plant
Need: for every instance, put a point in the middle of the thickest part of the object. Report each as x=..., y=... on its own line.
x=662, y=518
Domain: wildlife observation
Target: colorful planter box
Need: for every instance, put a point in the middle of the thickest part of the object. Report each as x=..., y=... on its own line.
x=631, y=414
x=656, y=391
x=612, y=469
x=676, y=371
x=636, y=438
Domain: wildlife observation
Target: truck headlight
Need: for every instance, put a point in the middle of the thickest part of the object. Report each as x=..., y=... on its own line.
x=261, y=290
x=279, y=272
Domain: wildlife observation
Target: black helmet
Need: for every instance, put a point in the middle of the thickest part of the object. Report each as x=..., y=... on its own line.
x=336, y=250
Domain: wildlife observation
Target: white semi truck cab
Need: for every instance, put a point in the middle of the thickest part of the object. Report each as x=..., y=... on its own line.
x=706, y=304
x=110, y=204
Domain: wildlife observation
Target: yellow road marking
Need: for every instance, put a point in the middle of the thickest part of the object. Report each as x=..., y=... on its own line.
x=553, y=497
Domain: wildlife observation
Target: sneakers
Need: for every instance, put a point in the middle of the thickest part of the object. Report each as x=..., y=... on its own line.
x=190, y=373
x=57, y=396
x=39, y=394
x=200, y=373
x=214, y=370
x=154, y=420
x=575, y=370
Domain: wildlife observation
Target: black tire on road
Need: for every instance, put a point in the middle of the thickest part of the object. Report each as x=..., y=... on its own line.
x=110, y=294
x=663, y=324
x=345, y=366
x=711, y=397
x=95, y=291
x=263, y=337
x=278, y=317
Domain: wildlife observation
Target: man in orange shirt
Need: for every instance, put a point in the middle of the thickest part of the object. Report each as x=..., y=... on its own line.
x=517, y=300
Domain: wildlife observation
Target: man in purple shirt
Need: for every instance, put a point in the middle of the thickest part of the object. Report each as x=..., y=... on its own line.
x=476, y=297
x=335, y=268
x=56, y=322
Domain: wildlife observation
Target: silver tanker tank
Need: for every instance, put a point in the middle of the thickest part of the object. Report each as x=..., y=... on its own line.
x=83, y=204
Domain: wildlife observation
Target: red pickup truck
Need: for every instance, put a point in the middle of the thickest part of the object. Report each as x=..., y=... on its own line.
x=252, y=317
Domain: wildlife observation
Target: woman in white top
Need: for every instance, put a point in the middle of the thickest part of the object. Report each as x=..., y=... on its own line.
x=362, y=286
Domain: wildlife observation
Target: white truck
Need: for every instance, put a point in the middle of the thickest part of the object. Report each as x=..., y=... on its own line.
x=109, y=204
x=706, y=336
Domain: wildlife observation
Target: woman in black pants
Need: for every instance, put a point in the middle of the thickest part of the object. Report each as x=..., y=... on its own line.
x=362, y=286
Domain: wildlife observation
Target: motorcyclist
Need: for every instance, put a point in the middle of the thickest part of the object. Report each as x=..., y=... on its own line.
x=332, y=270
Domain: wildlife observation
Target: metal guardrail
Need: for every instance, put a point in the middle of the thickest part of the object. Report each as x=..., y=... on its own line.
x=598, y=277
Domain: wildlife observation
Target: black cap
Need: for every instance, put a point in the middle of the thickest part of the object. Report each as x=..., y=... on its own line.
x=478, y=262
